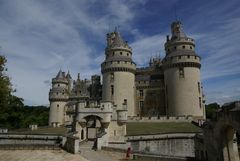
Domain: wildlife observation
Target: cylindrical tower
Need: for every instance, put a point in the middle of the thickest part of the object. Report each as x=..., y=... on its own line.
x=58, y=97
x=182, y=75
x=118, y=72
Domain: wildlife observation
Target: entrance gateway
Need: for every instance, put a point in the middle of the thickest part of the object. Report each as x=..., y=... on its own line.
x=221, y=135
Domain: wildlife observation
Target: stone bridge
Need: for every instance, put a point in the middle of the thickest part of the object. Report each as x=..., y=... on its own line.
x=221, y=134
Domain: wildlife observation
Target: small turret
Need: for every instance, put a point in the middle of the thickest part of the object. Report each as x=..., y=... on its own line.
x=58, y=97
x=150, y=62
x=69, y=78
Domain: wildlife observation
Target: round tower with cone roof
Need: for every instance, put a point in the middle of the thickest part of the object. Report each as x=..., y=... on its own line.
x=182, y=75
x=118, y=72
x=58, y=96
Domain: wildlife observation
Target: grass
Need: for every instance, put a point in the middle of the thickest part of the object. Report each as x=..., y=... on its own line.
x=142, y=128
x=43, y=130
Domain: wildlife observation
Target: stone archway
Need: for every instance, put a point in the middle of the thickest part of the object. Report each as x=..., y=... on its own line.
x=222, y=134
x=230, y=147
x=93, y=126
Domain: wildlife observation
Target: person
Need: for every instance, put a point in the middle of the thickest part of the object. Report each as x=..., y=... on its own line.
x=128, y=153
x=95, y=144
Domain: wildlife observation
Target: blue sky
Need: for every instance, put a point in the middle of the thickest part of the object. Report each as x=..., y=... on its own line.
x=39, y=37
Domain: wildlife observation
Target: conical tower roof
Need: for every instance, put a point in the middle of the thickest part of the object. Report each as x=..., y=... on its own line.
x=177, y=30
x=68, y=76
x=60, y=75
x=115, y=40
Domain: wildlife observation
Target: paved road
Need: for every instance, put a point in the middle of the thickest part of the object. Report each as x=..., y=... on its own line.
x=91, y=155
x=87, y=154
x=39, y=155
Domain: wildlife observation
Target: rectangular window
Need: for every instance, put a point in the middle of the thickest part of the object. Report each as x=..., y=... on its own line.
x=200, y=102
x=199, y=87
x=141, y=93
x=141, y=105
x=181, y=72
x=112, y=90
x=125, y=102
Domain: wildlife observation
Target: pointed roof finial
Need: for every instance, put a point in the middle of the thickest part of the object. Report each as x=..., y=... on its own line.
x=60, y=74
x=68, y=75
x=116, y=28
x=177, y=30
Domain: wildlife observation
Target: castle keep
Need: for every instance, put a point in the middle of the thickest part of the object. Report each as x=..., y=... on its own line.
x=167, y=87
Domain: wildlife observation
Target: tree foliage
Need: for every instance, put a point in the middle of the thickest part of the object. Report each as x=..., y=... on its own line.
x=5, y=85
x=211, y=110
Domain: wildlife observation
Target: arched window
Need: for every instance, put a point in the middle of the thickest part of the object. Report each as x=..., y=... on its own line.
x=82, y=134
x=112, y=90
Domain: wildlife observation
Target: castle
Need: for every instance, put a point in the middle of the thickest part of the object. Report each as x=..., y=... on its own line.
x=167, y=87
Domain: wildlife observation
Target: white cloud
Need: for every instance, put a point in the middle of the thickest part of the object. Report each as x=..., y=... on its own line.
x=147, y=47
x=39, y=38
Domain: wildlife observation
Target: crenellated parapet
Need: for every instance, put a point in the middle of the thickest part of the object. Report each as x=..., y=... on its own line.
x=118, y=55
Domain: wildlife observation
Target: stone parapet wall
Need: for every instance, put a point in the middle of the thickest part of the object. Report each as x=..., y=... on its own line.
x=24, y=141
x=161, y=119
x=170, y=145
x=162, y=158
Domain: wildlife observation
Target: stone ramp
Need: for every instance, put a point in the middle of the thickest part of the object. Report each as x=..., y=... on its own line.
x=99, y=155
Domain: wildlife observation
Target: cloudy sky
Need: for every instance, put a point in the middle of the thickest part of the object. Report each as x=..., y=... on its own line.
x=39, y=37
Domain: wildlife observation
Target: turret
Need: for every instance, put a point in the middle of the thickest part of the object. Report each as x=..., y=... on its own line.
x=69, y=79
x=182, y=75
x=118, y=72
x=58, y=97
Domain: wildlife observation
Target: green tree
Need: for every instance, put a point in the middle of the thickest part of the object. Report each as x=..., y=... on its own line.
x=211, y=110
x=5, y=85
x=13, y=113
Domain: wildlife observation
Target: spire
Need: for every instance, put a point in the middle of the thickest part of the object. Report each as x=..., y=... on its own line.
x=150, y=62
x=60, y=75
x=118, y=41
x=177, y=30
x=68, y=75
x=78, y=76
